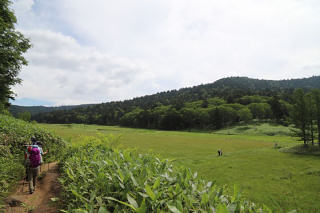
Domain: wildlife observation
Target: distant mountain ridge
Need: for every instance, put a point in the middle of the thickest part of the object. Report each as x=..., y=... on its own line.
x=253, y=84
x=229, y=87
x=15, y=109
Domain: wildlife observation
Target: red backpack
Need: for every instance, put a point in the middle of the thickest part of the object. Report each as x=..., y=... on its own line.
x=35, y=158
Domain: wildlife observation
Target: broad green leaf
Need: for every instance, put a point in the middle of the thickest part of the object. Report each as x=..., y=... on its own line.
x=124, y=203
x=156, y=183
x=103, y=209
x=132, y=201
x=173, y=209
x=120, y=175
x=99, y=200
x=134, y=180
x=150, y=192
x=221, y=208
x=236, y=193
x=79, y=196
x=80, y=211
x=178, y=188
x=121, y=185
x=92, y=196
x=159, y=194
x=268, y=210
x=204, y=199
x=143, y=194
x=142, y=208
x=195, y=175
x=179, y=205
x=71, y=176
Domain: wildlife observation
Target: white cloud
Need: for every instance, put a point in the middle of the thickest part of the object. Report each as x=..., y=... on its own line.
x=150, y=46
x=64, y=72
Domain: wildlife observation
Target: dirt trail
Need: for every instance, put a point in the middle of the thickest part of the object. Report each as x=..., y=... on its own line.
x=38, y=202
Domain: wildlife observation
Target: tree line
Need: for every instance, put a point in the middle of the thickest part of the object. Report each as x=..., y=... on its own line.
x=163, y=106
x=211, y=113
x=302, y=109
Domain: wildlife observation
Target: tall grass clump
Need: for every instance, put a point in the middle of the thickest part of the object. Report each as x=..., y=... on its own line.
x=97, y=178
x=14, y=134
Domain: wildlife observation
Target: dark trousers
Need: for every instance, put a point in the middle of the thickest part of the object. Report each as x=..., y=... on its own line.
x=32, y=177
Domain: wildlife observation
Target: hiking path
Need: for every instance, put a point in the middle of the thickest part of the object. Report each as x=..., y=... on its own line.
x=47, y=187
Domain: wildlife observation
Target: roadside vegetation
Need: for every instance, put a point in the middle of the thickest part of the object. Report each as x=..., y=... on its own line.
x=14, y=134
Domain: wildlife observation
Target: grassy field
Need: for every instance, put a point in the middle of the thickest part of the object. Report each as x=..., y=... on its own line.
x=283, y=181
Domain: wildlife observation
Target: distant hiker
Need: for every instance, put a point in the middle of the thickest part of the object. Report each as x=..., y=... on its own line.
x=34, y=161
x=219, y=152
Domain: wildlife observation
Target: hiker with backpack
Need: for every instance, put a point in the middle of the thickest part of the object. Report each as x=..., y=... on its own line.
x=38, y=144
x=33, y=161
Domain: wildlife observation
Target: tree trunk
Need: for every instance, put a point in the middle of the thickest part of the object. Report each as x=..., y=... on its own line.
x=312, y=134
x=304, y=135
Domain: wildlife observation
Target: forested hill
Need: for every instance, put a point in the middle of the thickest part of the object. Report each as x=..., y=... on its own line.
x=250, y=84
x=151, y=109
x=15, y=109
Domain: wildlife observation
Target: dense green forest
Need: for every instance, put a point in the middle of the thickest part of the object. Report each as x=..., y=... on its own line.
x=211, y=106
x=16, y=110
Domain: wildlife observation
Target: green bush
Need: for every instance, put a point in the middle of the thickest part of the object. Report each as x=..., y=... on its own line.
x=14, y=134
x=97, y=178
x=11, y=170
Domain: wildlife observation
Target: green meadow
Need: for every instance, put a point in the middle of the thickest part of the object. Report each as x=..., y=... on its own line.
x=283, y=181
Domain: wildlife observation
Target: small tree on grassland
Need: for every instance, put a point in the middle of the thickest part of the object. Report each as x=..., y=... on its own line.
x=299, y=115
x=316, y=99
x=26, y=116
x=305, y=115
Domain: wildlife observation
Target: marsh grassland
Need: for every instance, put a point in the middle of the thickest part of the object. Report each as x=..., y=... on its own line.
x=283, y=181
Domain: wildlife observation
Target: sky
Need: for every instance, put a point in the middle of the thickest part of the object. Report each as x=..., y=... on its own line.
x=94, y=51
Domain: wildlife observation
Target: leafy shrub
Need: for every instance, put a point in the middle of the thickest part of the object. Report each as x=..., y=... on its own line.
x=14, y=134
x=97, y=178
x=11, y=170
